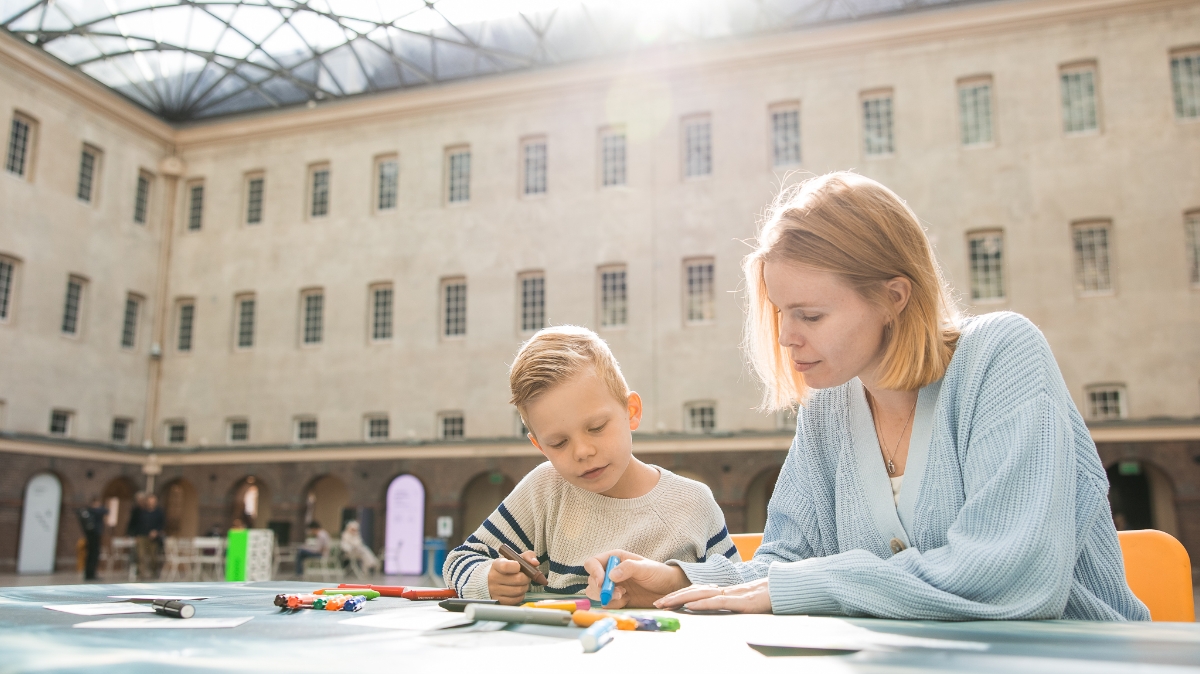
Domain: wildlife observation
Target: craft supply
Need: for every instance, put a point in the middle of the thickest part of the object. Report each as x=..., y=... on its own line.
x=369, y=594
x=424, y=595
x=569, y=605
x=334, y=603
x=598, y=635
x=589, y=618
x=173, y=608
x=517, y=614
x=383, y=590
x=606, y=589
x=667, y=623
x=459, y=605
x=646, y=624
x=526, y=568
x=354, y=604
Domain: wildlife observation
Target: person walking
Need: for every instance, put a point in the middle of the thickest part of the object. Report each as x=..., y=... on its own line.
x=91, y=522
x=151, y=543
x=135, y=529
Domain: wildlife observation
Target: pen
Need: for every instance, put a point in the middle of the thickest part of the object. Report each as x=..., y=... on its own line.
x=536, y=576
x=606, y=590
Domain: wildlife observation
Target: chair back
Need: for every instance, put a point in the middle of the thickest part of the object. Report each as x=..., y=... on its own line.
x=1159, y=572
x=746, y=544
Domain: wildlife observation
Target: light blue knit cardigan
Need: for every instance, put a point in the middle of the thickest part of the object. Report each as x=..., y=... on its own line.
x=1003, y=511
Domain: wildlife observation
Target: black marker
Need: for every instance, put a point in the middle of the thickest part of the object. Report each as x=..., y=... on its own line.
x=460, y=605
x=173, y=608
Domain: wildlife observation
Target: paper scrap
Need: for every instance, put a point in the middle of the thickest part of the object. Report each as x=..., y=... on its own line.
x=420, y=618
x=163, y=623
x=152, y=597
x=108, y=608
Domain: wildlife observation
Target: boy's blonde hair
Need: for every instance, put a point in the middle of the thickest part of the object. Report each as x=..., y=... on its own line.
x=860, y=230
x=556, y=354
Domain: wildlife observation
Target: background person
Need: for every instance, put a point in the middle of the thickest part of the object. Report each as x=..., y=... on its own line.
x=354, y=549
x=150, y=540
x=940, y=469
x=316, y=545
x=91, y=522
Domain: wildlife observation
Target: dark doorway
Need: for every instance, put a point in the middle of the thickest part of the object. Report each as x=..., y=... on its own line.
x=1129, y=496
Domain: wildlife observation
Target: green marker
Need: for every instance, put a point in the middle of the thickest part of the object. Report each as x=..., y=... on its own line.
x=329, y=592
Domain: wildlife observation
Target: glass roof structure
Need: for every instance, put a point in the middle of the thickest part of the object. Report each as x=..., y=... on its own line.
x=194, y=59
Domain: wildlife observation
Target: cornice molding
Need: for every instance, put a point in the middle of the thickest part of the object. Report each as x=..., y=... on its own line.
x=958, y=21
x=46, y=69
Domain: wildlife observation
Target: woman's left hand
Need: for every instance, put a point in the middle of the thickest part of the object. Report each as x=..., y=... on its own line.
x=752, y=597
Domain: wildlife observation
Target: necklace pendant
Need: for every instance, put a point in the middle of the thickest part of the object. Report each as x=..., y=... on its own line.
x=891, y=467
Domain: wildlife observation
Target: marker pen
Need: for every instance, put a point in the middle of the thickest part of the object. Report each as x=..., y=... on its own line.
x=420, y=595
x=517, y=614
x=598, y=635
x=173, y=608
x=606, y=590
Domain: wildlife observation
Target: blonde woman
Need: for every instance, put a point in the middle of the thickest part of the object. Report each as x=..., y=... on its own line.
x=940, y=469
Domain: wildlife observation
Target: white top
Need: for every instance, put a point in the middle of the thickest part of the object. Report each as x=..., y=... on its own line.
x=896, y=488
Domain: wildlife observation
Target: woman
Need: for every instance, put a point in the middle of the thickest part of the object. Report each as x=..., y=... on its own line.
x=940, y=469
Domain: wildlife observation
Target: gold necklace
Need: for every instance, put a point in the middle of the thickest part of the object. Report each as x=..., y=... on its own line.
x=891, y=467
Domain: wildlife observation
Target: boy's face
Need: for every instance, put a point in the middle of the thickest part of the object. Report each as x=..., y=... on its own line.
x=584, y=431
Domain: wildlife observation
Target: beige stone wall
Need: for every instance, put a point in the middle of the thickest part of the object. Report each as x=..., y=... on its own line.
x=1139, y=171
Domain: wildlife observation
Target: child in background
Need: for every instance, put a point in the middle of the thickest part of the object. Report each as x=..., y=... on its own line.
x=592, y=495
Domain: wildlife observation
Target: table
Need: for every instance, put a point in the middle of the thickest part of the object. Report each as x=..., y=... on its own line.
x=34, y=638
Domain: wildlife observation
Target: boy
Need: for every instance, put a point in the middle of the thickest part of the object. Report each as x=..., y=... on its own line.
x=593, y=494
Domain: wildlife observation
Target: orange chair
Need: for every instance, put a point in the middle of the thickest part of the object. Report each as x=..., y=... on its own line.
x=1159, y=572
x=1157, y=569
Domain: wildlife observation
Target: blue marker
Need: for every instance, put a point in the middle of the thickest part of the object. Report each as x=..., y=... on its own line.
x=606, y=590
x=598, y=635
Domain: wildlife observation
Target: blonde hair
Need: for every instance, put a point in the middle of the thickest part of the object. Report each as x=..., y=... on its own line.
x=556, y=354
x=860, y=230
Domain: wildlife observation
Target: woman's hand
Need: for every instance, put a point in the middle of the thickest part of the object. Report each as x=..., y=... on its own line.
x=638, y=581
x=752, y=597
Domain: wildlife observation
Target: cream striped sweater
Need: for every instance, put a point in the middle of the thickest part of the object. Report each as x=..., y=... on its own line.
x=566, y=525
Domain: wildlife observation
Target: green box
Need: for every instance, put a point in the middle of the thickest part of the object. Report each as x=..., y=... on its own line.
x=235, y=554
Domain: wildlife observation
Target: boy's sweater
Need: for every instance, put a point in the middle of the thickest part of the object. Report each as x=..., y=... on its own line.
x=566, y=525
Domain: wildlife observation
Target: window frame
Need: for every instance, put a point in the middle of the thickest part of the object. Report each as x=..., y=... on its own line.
x=688, y=416
x=1191, y=233
x=522, y=277
x=193, y=220
x=377, y=183
x=605, y=133
x=975, y=82
x=525, y=145
x=238, y=300
x=177, y=329
x=783, y=107
x=138, y=202
x=298, y=421
x=1065, y=69
x=1003, y=266
x=80, y=306
x=8, y=305
x=29, y=160
x=373, y=312
x=304, y=317
x=310, y=191
x=169, y=426
x=112, y=431
x=1091, y=390
x=685, y=268
x=600, y=308
x=230, y=423
x=368, y=430
x=248, y=180
x=1076, y=260
x=68, y=424
x=449, y=175
x=97, y=155
x=446, y=415
x=444, y=306
x=686, y=124
x=139, y=301
x=864, y=98
x=1192, y=52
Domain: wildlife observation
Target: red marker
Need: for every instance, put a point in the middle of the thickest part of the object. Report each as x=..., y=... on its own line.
x=418, y=595
x=383, y=590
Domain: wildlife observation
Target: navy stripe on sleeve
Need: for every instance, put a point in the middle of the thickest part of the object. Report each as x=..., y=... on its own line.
x=723, y=533
x=731, y=552
x=495, y=531
x=463, y=574
x=512, y=522
x=570, y=589
x=563, y=569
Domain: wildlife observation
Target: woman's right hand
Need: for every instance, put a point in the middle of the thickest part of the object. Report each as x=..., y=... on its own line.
x=638, y=581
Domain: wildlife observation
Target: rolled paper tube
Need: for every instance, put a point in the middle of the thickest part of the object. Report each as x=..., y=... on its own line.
x=598, y=635
x=517, y=614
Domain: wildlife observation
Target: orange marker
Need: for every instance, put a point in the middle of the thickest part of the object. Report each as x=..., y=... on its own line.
x=588, y=618
x=570, y=606
x=337, y=601
x=417, y=595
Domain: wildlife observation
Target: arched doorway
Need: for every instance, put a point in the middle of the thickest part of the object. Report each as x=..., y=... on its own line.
x=758, y=495
x=118, y=499
x=324, y=501
x=480, y=497
x=1141, y=497
x=40, y=511
x=404, y=534
x=181, y=508
x=250, y=503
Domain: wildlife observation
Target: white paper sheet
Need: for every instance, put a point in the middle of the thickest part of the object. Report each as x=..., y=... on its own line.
x=836, y=633
x=419, y=618
x=109, y=608
x=163, y=623
x=152, y=597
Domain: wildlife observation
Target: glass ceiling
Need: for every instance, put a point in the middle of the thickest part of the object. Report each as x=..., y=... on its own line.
x=195, y=59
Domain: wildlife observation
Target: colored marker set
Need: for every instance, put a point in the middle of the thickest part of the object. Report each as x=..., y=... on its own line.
x=322, y=602
x=627, y=623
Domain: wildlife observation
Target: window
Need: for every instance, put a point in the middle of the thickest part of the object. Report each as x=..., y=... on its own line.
x=387, y=170
x=458, y=180
x=612, y=157
x=120, y=430
x=1092, y=268
x=246, y=307
x=1191, y=223
x=187, y=317
x=785, y=134
x=697, y=146
x=306, y=428
x=454, y=307
x=255, y=183
x=450, y=425
x=73, y=305
x=133, y=305
x=89, y=168
x=533, y=301
x=1080, y=114
x=700, y=417
x=381, y=312
x=700, y=298
x=8, y=284
x=176, y=432
x=239, y=430
x=377, y=427
x=613, y=305
x=975, y=110
x=195, y=206
x=1185, y=83
x=20, y=146
x=534, y=151
x=878, y=135
x=1106, y=402
x=142, y=198
x=319, y=195
x=313, y=302
x=60, y=422
x=985, y=251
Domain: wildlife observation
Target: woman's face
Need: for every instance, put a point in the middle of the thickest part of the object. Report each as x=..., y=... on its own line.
x=830, y=332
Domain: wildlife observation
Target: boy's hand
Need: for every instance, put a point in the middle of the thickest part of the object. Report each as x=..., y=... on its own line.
x=506, y=583
x=638, y=581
